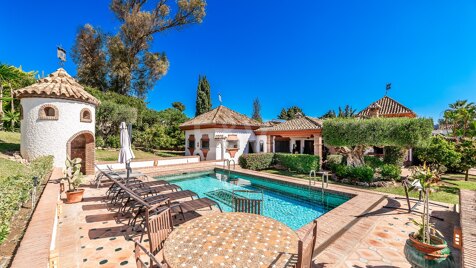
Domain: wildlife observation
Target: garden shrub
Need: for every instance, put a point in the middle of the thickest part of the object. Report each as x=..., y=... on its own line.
x=373, y=161
x=333, y=160
x=342, y=171
x=15, y=191
x=100, y=142
x=362, y=173
x=390, y=172
x=113, y=141
x=302, y=163
x=256, y=161
x=393, y=155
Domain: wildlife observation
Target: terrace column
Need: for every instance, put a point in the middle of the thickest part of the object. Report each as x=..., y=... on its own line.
x=318, y=147
x=269, y=144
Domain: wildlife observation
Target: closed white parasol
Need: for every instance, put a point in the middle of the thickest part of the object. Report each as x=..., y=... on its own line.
x=125, y=154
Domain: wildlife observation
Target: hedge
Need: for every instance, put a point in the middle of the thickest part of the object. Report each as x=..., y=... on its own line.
x=256, y=161
x=15, y=191
x=401, y=132
x=302, y=163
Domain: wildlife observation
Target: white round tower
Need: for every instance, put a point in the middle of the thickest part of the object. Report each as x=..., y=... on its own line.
x=58, y=118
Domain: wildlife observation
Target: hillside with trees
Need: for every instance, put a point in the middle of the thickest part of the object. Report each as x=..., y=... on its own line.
x=151, y=129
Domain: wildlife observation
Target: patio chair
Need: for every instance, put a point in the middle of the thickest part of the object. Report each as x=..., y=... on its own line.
x=247, y=205
x=153, y=263
x=306, y=247
x=159, y=226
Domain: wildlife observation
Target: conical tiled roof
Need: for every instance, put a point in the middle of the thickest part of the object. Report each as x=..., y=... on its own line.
x=58, y=85
x=388, y=107
x=221, y=116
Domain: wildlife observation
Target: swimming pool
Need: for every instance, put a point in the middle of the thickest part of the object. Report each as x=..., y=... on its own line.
x=293, y=205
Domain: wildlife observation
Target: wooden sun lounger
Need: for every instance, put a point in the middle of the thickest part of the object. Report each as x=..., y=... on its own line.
x=194, y=205
x=173, y=196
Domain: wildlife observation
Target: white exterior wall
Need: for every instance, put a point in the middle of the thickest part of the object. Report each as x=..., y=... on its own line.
x=216, y=146
x=264, y=139
x=50, y=137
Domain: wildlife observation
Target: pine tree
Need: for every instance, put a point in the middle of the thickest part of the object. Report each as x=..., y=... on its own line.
x=291, y=113
x=257, y=110
x=329, y=114
x=203, y=102
x=283, y=115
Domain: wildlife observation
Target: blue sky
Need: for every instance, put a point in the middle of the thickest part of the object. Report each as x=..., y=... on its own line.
x=314, y=54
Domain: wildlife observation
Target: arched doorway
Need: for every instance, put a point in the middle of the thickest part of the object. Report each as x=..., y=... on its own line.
x=81, y=145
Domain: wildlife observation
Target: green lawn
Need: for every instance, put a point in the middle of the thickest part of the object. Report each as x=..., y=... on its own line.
x=9, y=142
x=446, y=190
x=112, y=155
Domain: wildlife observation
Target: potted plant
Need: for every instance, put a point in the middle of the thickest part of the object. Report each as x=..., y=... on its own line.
x=73, y=175
x=426, y=247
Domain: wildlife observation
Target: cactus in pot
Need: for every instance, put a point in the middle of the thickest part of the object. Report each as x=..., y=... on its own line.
x=72, y=174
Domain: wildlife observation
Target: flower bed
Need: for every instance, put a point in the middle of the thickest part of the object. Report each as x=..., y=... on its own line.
x=15, y=190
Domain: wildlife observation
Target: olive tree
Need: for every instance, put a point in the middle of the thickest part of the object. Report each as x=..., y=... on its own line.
x=353, y=136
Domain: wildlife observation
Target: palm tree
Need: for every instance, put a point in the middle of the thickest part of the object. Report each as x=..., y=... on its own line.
x=461, y=116
x=12, y=118
x=12, y=77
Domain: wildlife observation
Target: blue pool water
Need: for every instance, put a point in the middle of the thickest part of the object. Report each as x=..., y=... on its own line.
x=290, y=204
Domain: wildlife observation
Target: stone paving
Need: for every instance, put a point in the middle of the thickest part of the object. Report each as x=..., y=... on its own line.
x=92, y=235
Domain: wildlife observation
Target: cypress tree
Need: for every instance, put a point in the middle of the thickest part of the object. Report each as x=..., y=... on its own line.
x=257, y=110
x=203, y=102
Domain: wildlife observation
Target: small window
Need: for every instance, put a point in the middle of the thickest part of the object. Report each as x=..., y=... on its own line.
x=261, y=146
x=48, y=112
x=191, y=142
x=86, y=115
x=205, y=141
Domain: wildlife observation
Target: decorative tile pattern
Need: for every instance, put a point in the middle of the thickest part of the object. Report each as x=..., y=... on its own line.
x=231, y=240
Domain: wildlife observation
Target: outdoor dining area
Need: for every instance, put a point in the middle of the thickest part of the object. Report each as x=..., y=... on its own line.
x=242, y=238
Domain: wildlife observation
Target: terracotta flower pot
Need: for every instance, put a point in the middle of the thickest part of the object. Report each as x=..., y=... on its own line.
x=436, y=254
x=74, y=196
x=232, y=151
x=205, y=152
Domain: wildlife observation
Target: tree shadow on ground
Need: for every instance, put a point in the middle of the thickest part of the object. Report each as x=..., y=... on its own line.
x=9, y=148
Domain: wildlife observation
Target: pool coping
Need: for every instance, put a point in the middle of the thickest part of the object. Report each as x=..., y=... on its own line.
x=341, y=220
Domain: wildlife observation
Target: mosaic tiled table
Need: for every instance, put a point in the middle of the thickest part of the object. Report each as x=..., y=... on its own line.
x=231, y=240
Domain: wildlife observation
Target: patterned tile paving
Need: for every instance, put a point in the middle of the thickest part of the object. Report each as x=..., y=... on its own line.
x=91, y=234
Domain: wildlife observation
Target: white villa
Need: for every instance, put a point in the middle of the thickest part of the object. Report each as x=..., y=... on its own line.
x=224, y=134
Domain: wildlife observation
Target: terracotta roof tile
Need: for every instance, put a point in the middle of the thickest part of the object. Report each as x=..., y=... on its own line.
x=387, y=106
x=301, y=123
x=221, y=116
x=59, y=85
